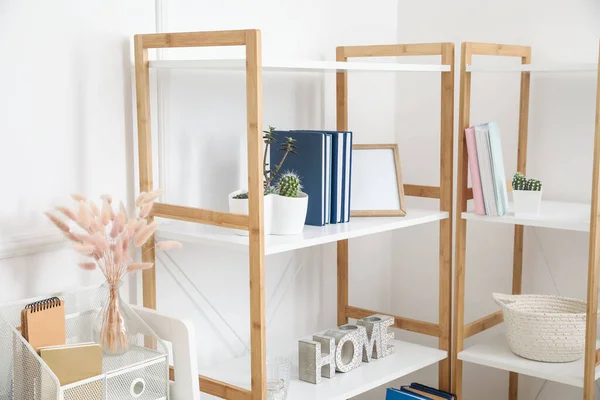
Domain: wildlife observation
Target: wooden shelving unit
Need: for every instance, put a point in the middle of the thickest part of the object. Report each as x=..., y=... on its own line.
x=246, y=378
x=558, y=215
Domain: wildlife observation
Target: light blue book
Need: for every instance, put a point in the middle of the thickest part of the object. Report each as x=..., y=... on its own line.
x=482, y=139
x=498, y=174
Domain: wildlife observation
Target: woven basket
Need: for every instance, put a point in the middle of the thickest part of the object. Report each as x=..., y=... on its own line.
x=544, y=328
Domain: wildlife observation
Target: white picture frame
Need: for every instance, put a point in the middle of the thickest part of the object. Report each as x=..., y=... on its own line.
x=377, y=189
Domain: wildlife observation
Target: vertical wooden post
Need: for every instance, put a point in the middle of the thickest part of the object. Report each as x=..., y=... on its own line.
x=341, y=85
x=593, y=265
x=461, y=224
x=142, y=87
x=446, y=182
x=256, y=226
x=513, y=381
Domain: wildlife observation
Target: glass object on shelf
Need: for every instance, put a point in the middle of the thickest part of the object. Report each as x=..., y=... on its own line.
x=111, y=327
x=279, y=375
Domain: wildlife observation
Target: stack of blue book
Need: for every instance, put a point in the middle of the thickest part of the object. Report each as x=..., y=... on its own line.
x=324, y=164
x=416, y=391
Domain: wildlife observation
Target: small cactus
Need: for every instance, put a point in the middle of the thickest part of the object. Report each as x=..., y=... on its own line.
x=520, y=182
x=534, y=185
x=244, y=195
x=289, y=185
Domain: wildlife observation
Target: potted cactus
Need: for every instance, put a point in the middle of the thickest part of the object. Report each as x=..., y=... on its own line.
x=527, y=196
x=285, y=204
x=290, y=205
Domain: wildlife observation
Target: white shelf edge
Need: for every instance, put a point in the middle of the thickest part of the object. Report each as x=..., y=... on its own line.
x=553, y=215
x=300, y=65
x=344, y=385
x=313, y=236
x=559, y=68
x=495, y=353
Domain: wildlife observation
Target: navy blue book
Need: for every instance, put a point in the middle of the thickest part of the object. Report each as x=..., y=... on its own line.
x=337, y=174
x=347, y=177
x=311, y=166
x=428, y=391
x=395, y=394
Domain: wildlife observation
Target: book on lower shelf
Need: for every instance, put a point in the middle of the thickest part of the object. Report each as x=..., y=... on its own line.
x=486, y=166
x=417, y=391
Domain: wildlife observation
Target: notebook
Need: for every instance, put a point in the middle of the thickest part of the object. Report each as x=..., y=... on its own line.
x=337, y=174
x=485, y=169
x=74, y=362
x=328, y=182
x=498, y=168
x=395, y=394
x=347, y=184
x=474, y=170
x=43, y=323
x=429, y=392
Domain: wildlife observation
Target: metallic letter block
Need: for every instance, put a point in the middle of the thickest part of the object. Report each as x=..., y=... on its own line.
x=312, y=362
x=377, y=336
x=349, y=346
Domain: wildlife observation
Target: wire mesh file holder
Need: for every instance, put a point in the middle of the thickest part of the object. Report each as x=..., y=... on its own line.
x=139, y=374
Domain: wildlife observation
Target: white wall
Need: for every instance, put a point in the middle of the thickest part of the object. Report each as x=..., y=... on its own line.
x=66, y=126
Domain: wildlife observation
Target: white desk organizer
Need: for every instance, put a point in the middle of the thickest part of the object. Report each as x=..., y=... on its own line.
x=139, y=374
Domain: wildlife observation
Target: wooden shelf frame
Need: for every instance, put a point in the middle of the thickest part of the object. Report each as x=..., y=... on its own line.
x=461, y=330
x=443, y=192
x=253, y=222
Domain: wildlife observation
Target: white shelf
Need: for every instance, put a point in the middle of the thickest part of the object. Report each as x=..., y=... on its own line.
x=591, y=67
x=553, y=214
x=407, y=358
x=497, y=354
x=312, y=235
x=297, y=66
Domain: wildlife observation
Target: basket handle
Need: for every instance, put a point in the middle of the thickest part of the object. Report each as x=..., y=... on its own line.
x=503, y=299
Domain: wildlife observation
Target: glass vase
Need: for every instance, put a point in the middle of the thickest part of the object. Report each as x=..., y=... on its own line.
x=111, y=328
x=279, y=376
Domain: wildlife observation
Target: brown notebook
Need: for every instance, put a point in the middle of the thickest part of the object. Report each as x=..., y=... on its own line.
x=43, y=323
x=73, y=362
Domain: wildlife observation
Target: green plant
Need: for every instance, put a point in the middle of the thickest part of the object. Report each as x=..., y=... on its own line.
x=521, y=182
x=270, y=139
x=244, y=195
x=289, y=146
x=289, y=185
x=534, y=185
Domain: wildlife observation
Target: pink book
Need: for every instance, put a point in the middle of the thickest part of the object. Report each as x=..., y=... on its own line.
x=474, y=168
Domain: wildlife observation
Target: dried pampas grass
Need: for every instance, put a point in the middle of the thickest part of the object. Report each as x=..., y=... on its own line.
x=56, y=221
x=106, y=237
x=168, y=245
x=139, y=266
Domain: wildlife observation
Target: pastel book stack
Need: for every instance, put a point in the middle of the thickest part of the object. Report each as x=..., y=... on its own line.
x=324, y=164
x=486, y=167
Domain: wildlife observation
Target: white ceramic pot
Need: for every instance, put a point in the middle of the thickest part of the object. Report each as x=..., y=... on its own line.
x=527, y=203
x=240, y=206
x=283, y=215
x=289, y=214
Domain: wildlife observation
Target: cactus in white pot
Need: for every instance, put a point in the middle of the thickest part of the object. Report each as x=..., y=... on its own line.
x=285, y=205
x=527, y=196
x=289, y=185
x=289, y=206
